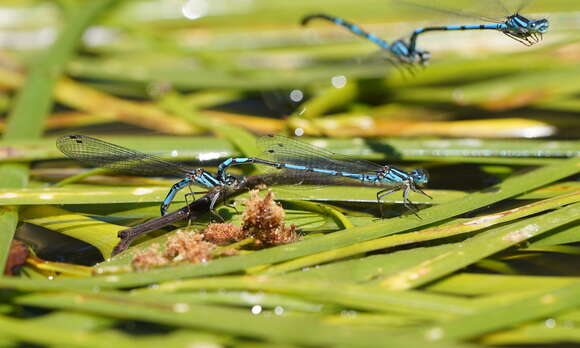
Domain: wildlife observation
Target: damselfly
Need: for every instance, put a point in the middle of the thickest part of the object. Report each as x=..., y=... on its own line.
x=99, y=153
x=512, y=23
x=399, y=49
x=292, y=155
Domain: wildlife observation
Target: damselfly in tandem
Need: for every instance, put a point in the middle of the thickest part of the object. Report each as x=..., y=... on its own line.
x=292, y=155
x=505, y=19
x=399, y=50
x=99, y=153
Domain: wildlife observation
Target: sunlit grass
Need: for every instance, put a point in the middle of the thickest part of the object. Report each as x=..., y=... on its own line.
x=490, y=260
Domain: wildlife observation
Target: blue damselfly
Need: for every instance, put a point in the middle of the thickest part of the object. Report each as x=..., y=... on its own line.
x=292, y=155
x=505, y=19
x=399, y=50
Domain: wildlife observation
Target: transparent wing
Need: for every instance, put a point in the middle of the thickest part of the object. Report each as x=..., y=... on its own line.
x=99, y=153
x=500, y=5
x=286, y=150
x=522, y=4
x=494, y=11
x=507, y=7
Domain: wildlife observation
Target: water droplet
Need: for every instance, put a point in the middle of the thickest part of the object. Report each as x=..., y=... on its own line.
x=257, y=309
x=194, y=9
x=279, y=310
x=348, y=313
x=204, y=345
x=296, y=95
x=181, y=307
x=208, y=156
x=299, y=132
x=253, y=297
x=112, y=279
x=339, y=81
x=158, y=88
x=99, y=36
x=550, y=323
x=434, y=334
x=142, y=191
x=458, y=96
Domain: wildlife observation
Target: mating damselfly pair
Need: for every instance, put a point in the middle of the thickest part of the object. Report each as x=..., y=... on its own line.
x=283, y=153
x=506, y=19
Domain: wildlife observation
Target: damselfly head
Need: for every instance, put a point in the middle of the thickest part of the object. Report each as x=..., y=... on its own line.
x=231, y=180
x=420, y=176
x=424, y=57
x=540, y=26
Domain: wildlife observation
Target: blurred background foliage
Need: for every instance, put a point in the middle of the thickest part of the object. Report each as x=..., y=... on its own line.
x=491, y=260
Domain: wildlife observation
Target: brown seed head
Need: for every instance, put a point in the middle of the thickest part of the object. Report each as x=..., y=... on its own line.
x=264, y=220
x=148, y=258
x=188, y=246
x=223, y=233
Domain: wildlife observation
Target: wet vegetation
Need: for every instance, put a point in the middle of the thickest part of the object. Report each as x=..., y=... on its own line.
x=491, y=259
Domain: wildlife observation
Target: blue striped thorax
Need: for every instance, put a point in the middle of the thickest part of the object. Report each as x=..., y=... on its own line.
x=393, y=176
x=519, y=24
x=206, y=179
x=203, y=178
x=407, y=55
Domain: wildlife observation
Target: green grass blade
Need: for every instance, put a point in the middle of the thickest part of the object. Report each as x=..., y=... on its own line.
x=85, y=194
x=509, y=152
x=62, y=337
x=546, y=332
x=242, y=140
x=33, y=103
x=8, y=223
x=481, y=246
x=313, y=331
x=361, y=297
x=438, y=232
x=510, y=188
x=97, y=233
x=473, y=284
x=564, y=236
x=537, y=306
